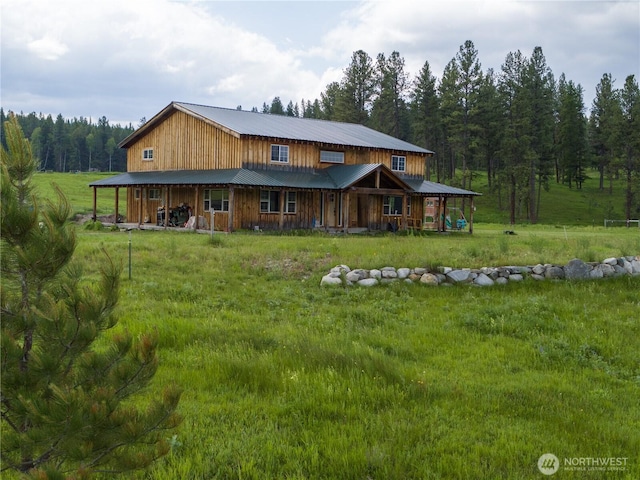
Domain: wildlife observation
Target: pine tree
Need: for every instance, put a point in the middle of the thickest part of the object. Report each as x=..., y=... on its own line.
x=604, y=127
x=571, y=133
x=516, y=143
x=630, y=163
x=425, y=114
x=540, y=87
x=66, y=390
x=353, y=99
x=389, y=113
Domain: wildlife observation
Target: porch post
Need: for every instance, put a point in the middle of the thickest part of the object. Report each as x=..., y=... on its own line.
x=194, y=210
x=231, y=207
x=444, y=212
x=117, y=197
x=166, y=208
x=143, y=193
x=345, y=209
x=471, y=216
x=282, y=204
x=95, y=202
x=404, y=211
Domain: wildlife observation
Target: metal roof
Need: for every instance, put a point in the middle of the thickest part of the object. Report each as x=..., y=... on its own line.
x=435, y=189
x=285, y=128
x=335, y=177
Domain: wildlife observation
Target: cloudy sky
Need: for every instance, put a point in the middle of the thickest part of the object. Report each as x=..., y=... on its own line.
x=128, y=59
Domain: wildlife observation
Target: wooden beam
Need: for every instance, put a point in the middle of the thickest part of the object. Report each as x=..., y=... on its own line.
x=345, y=209
x=142, y=195
x=195, y=210
x=282, y=205
x=444, y=211
x=471, y=216
x=117, y=198
x=378, y=191
x=404, y=211
x=231, y=208
x=166, y=207
x=95, y=203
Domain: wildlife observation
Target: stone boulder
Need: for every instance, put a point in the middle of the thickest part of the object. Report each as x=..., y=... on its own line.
x=483, y=280
x=459, y=276
x=331, y=280
x=576, y=269
x=429, y=279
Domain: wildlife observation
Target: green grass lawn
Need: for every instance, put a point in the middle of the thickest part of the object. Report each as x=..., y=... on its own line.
x=285, y=379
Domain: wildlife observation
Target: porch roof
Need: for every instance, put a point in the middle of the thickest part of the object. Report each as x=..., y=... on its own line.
x=335, y=177
x=436, y=189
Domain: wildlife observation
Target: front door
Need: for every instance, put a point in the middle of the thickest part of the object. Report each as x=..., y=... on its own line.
x=363, y=210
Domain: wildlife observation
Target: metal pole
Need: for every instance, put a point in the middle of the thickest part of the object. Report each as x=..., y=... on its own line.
x=129, y=254
x=213, y=216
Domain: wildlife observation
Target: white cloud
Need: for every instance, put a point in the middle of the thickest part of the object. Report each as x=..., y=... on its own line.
x=47, y=48
x=129, y=58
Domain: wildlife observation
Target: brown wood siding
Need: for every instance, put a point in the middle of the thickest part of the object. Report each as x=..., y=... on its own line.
x=365, y=210
x=183, y=142
x=247, y=214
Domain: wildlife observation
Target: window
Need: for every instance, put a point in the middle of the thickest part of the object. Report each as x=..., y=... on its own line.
x=137, y=193
x=392, y=205
x=280, y=153
x=217, y=200
x=270, y=201
x=147, y=154
x=398, y=163
x=154, y=194
x=331, y=157
x=290, y=207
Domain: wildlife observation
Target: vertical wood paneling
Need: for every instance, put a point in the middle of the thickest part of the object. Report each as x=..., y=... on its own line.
x=183, y=142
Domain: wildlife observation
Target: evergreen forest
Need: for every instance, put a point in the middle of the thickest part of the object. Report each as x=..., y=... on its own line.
x=520, y=127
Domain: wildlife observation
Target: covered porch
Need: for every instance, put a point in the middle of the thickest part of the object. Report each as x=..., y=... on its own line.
x=344, y=197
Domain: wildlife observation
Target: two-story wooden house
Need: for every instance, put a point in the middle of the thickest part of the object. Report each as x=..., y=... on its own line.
x=247, y=170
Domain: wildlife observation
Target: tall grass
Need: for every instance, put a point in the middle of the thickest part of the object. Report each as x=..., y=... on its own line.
x=285, y=379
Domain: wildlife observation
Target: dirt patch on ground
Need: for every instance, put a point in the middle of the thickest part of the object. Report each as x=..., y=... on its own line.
x=82, y=219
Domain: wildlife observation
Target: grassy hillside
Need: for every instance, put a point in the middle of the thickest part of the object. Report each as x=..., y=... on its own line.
x=76, y=188
x=559, y=206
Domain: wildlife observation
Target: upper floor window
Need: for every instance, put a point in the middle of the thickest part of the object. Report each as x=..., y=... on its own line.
x=216, y=199
x=147, y=154
x=280, y=153
x=331, y=157
x=398, y=163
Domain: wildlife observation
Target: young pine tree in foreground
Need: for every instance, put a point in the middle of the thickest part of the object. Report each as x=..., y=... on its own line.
x=66, y=390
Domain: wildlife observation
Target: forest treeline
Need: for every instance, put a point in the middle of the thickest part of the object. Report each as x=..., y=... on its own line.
x=78, y=144
x=520, y=127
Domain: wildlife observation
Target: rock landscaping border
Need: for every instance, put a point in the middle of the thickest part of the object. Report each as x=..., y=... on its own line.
x=576, y=269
